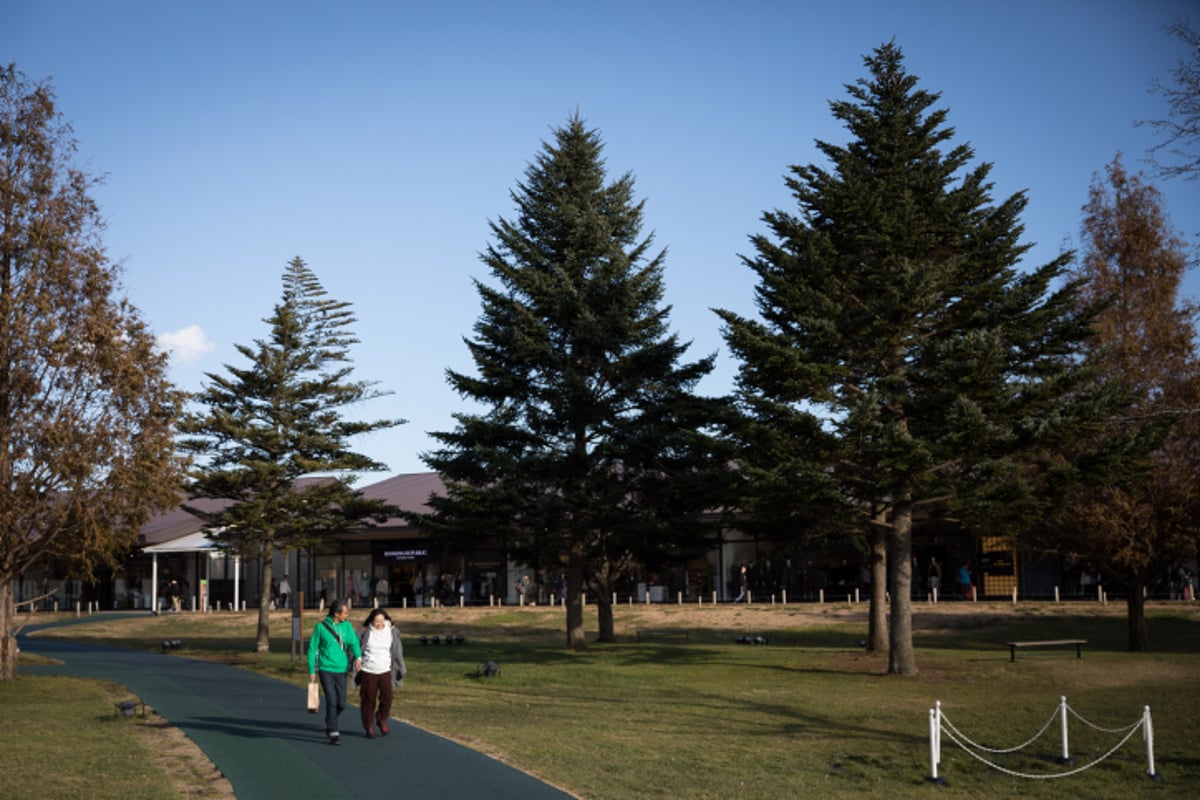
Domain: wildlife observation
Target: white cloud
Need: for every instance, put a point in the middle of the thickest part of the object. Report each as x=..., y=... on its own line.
x=186, y=344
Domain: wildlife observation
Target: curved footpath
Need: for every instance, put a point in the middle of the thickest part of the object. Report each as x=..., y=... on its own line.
x=257, y=732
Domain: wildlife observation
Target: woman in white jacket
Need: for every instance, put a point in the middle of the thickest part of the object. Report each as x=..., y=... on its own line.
x=382, y=669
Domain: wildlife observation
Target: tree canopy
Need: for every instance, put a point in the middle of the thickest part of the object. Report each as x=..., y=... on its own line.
x=272, y=438
x=896, y=330
x=1178, y=154
x=590, y=447
x=1137, y=517
x=87, y=413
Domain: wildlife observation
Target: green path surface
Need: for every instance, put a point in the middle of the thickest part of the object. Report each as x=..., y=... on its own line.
x=257, y=732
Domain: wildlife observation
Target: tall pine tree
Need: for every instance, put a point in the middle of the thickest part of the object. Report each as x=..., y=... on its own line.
x=591, y=448
x=894, y=318
x=264, y=427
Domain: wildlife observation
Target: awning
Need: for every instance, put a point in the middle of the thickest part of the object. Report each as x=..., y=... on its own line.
x=196, y=542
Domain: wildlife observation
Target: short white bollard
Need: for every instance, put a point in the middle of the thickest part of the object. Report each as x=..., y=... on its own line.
x=1065, y=758
x=1148, y=732
x=935, y=742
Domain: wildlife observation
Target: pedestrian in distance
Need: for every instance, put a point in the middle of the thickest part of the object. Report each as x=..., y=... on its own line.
x=382, y=670
x=332, y=652
x=964, y=580
x=743, y=585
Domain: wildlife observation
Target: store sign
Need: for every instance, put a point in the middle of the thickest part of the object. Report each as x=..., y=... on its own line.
x=405, y=553
x=997, y=562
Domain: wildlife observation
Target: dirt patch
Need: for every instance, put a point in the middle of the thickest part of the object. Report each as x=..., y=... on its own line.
x=228, y=659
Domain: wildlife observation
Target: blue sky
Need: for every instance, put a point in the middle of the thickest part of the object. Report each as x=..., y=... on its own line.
x=377, y=139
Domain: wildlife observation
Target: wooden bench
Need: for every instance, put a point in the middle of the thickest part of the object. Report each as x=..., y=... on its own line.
x=662, y=633
x=1076, y=643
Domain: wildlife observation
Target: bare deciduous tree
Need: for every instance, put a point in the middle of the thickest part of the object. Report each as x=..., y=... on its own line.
x=87, y=414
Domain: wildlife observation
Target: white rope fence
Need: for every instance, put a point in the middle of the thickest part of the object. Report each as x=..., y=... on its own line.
x=940, y=724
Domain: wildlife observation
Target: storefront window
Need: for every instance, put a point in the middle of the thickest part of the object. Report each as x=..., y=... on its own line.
x=343, y=577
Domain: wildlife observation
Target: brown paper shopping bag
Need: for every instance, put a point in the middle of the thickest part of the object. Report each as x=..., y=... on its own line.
x=314, y=698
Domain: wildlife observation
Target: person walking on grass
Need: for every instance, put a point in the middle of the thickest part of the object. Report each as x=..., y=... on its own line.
x=382, y=670
x=331, y=652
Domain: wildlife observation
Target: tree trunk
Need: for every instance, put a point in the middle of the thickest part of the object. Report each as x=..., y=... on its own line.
x=8, y=638
x=605, y=627
x=901, y=659
x=262, y=643
x=575, y=637
x=1136, y=605
x=606, y=630
x=877, y=627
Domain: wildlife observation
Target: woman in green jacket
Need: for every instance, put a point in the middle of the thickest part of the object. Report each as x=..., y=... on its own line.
x=330, y=650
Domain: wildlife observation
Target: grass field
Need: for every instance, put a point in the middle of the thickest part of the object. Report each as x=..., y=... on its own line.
x=807, y=715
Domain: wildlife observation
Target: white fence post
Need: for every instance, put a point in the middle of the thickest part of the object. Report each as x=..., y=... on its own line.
x=1148, y=733
x=1065, y=758
x=933, y=764
x=935, y=741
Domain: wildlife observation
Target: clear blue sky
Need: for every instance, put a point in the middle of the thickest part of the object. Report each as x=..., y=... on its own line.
x=377, y=139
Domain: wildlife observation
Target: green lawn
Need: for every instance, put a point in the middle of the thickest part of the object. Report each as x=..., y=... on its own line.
x=62, y=738
x=808, y=715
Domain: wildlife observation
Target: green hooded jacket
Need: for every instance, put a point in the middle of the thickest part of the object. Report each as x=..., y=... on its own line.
x=327, y=649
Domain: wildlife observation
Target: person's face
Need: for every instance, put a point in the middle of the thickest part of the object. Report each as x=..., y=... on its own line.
x=379, y=623
x=341, y=614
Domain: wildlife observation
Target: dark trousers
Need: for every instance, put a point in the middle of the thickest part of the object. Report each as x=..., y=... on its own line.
x=375, y=688
x=333, y=686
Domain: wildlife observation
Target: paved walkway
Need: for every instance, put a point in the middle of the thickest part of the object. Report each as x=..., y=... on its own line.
x=256, y=731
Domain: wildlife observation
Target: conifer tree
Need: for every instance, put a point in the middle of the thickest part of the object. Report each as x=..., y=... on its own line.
x=87, y=413
x=590, y=448
x=894, y=319
x=1137, y=520
x=263, y=432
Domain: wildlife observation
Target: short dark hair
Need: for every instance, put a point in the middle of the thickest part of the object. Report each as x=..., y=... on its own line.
x=338, y=605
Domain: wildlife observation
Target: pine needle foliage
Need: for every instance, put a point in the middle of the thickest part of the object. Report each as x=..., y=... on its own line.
x=272, y=438
x=897, y=335
x=590, y=447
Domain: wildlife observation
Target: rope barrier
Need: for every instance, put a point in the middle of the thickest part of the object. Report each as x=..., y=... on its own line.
x=1014, y=773
x=1000, y=751
x=1093, y=726
x=939, y=723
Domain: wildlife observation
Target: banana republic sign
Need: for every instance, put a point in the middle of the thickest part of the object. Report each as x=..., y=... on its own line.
x=405, y=554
